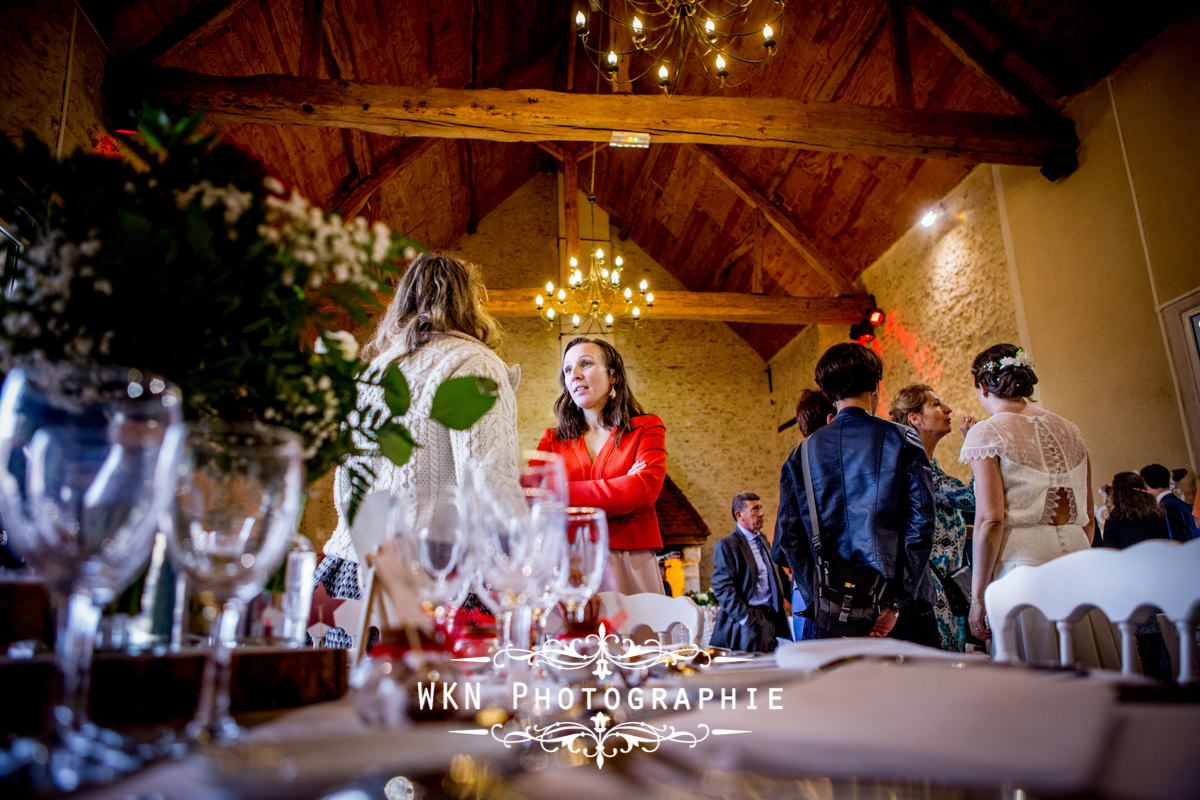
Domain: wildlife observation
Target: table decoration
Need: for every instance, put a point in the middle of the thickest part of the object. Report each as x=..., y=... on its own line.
x=194, y=261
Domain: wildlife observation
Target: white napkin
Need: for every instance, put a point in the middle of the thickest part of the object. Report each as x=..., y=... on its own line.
x=815, y=654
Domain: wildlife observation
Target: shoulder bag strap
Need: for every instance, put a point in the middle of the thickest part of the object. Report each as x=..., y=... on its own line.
x=814, y=520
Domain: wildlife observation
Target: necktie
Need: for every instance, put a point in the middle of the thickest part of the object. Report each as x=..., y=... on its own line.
x=762, y=550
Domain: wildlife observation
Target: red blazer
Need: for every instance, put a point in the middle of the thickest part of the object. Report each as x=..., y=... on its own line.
x=605, y=483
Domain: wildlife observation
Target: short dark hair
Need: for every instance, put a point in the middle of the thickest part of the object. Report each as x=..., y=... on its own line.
x=847, y=370
x=1156, y=476
x=1006, y=381
x=812, y=411
x=740, y=501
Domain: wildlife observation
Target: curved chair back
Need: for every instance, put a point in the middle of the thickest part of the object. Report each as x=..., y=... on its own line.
x=657, y=611
x=1126, y=585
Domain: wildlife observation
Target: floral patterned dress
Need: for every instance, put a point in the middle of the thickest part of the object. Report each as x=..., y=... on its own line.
x=952, y=499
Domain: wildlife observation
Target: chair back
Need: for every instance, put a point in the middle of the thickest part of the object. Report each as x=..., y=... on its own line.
x=656, y=611
x=1126, y=585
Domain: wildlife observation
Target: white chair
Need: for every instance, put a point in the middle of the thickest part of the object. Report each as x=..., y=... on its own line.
x=1124, y=584
x=657, y=611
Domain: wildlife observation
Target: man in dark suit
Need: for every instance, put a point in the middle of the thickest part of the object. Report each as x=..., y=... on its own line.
x=749, y=586
x=1179, y=514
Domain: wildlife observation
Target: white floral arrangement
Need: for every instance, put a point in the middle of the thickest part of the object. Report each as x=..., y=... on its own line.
x=201, y=266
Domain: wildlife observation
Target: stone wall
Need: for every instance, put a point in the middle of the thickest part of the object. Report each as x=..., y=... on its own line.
x=946, y=293
x=51, y=53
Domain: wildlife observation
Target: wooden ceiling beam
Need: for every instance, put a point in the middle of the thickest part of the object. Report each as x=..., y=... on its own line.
x=530, y=115
x=736, y=180
x=192, y=26
x=936, y=19
x=713, y=307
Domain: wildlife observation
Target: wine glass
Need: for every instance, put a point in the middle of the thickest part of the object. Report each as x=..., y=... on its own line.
x=583, y=559
x=87, y=457
x=236, y=506
x=434, y=524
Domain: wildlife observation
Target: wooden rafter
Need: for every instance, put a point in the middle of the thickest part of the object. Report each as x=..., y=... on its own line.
x=714, y=307
x=936, y=19
x=852, y=56
x=466, y=160
x=634, y=209
x=901, y=64
x=312, y=36
x=570, y=171
x=192, y=26
x=537, y=115
x=350, y=202
x=736, y=180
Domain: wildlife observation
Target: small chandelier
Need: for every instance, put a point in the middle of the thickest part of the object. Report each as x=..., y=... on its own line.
x=594, y=300
x=658, y=35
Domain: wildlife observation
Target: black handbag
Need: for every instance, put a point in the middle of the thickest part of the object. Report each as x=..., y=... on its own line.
x=956, y=586
x=848, y=598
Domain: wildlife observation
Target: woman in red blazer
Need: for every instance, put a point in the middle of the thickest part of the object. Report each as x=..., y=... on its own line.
x=615, y=455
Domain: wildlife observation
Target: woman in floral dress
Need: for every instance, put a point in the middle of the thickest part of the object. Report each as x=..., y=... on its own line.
x=919, y=407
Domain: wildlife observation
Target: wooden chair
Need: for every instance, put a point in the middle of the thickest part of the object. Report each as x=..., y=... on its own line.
x=1126, y=585
x=656, y=611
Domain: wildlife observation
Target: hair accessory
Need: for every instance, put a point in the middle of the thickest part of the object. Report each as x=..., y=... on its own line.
x=1020, y=359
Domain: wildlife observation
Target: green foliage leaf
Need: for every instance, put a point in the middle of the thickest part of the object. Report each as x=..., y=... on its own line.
x=395, y=442
x=460, y=402
x=395, y=390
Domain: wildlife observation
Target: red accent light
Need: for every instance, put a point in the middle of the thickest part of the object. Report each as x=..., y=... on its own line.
x=875, y=317
x=126, y=131
x=866, y=337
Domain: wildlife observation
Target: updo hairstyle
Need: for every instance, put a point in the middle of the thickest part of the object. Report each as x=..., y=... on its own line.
x=909, y=400
x=1005, y=371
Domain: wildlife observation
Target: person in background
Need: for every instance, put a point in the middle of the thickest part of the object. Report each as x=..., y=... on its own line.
x=1178, y=513
x=813, y=412
x=616, y=457
x=1033, y=485
x=434, y=328
x=1137, y=517
x=1101, y=511
x=920, y=408
x=748, y=585
x=1184, y=484
x=874, y=502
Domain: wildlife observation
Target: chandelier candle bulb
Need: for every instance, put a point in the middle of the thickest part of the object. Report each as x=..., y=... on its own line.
x=611, y=64
x=608, y=319
x=550, y=287
x=628, y=294
x=618, y=261
x=719, y=63
x=616, y=278
x=650, y=298
x=539, y=301
x=580, y=22
x=643, y=285
x=562, y=295
x=637, y=312
x=639, y=35
x=710, y=30
x=768, y=38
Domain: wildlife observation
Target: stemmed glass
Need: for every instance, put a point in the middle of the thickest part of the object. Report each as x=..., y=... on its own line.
x=584, y=557
x=435, y=524
x=236, y=506
x=519, y=533
x=87, y=458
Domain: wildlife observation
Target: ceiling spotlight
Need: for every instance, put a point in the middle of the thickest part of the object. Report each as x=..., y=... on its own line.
x=862, y=332
x=875, y=317
x=933, y=215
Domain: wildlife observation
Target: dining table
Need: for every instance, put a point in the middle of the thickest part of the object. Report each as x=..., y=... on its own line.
x=831, y=718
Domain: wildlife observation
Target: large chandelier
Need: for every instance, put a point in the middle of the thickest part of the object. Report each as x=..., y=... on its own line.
x=658, y=36
x=593, y=301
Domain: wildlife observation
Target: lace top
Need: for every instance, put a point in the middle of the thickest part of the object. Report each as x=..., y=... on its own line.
x=1039, y=452
x=443, y=455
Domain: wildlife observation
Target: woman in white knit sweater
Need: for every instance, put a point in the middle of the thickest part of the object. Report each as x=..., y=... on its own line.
x=435, y=328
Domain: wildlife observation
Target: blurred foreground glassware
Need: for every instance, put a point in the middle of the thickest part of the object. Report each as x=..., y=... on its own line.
x=236, y=506
x=87, y=465
x=583, y=558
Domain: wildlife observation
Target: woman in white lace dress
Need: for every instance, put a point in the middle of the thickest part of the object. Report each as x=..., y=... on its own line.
x=435, y=328
x=1033, y=486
